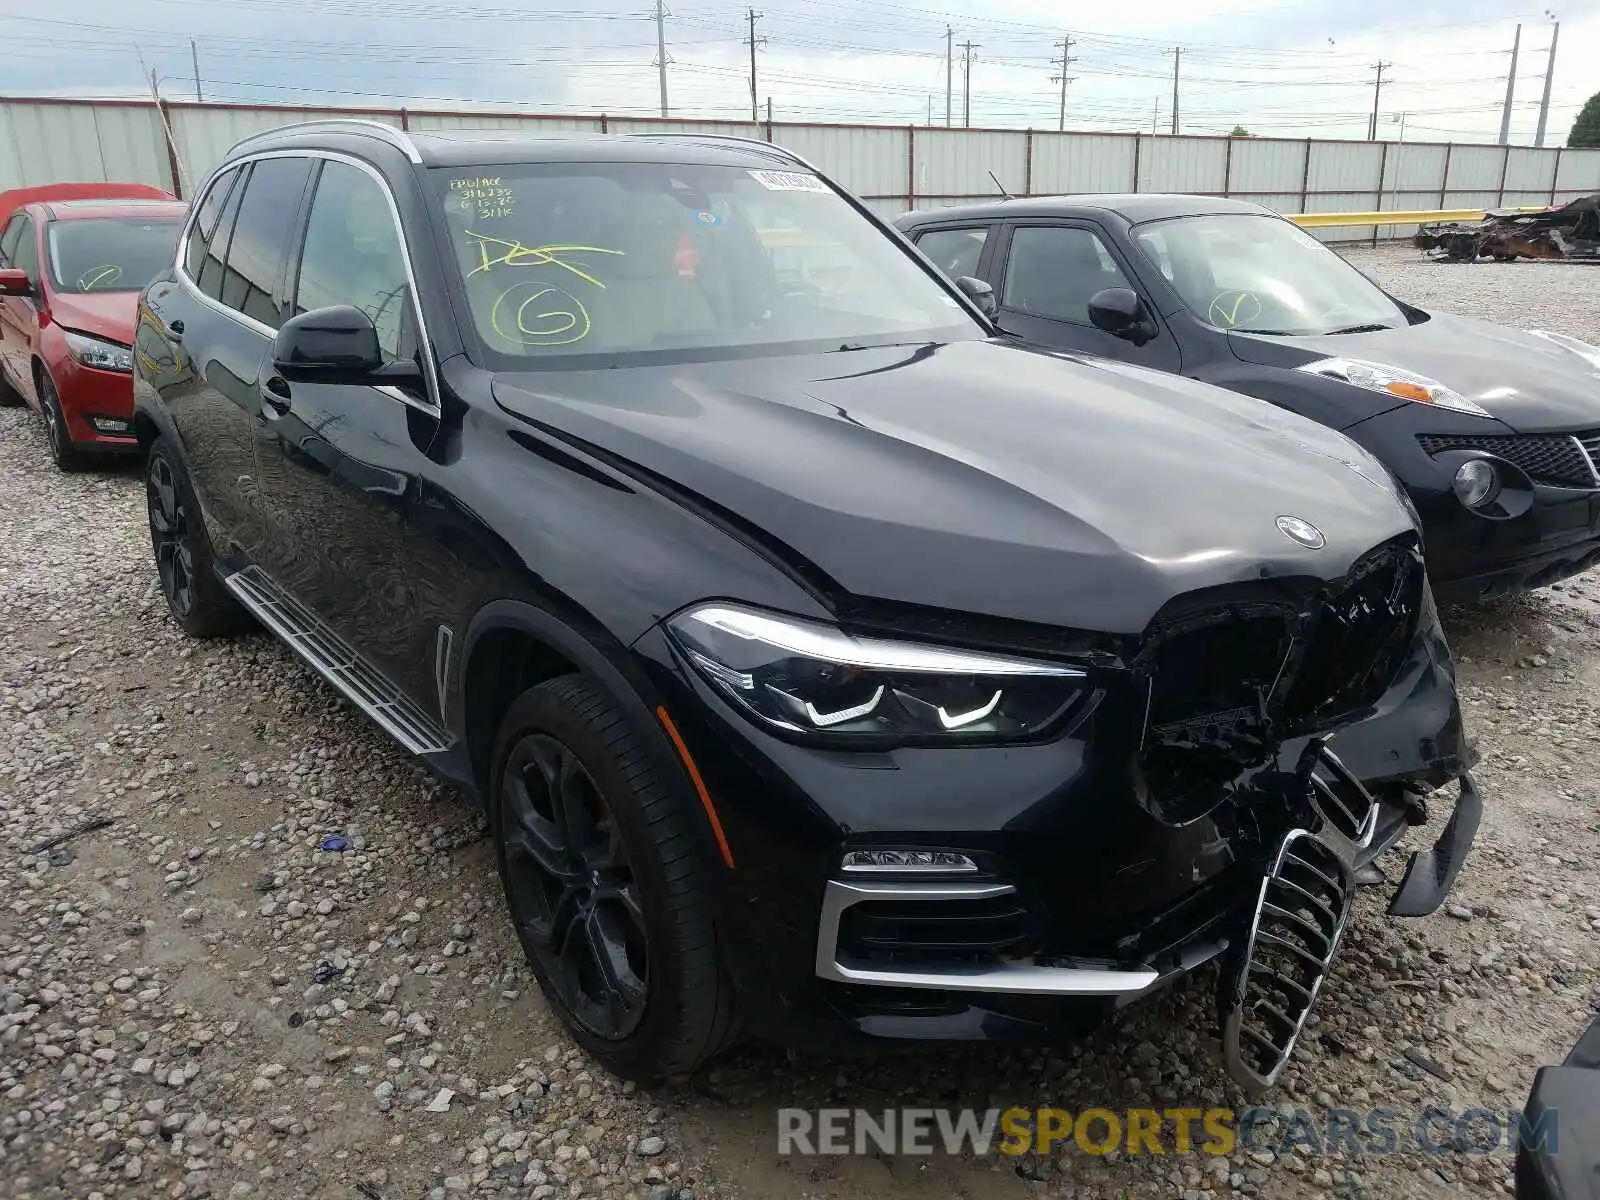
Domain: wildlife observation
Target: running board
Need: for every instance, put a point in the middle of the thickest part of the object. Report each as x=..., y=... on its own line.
x=337, y=661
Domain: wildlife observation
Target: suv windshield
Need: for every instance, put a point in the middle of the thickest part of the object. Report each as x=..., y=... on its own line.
x=110, y=254
x=1261, y=274
x=578, y=259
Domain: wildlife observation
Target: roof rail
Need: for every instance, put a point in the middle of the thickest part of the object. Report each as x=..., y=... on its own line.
x=772, y=147
x=376, y=129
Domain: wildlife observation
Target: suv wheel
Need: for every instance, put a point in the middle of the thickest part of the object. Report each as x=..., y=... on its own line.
x=63, y=453
x=601, y=877
x=195, y=596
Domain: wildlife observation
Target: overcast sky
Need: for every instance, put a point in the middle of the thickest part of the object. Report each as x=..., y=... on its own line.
x=1294, y=69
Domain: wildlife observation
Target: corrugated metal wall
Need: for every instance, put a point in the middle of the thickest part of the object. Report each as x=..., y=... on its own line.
x=891, y=167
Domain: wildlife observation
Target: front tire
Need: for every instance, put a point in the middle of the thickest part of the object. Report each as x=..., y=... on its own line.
x=195, y=595
x=604, y=886
x=63, y=453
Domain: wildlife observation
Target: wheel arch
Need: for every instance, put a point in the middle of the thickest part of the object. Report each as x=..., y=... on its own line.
x=512, y=645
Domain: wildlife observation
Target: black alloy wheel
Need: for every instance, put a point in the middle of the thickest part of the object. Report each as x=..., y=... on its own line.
x=195, y=595
x=170, y=535
x=572, y=891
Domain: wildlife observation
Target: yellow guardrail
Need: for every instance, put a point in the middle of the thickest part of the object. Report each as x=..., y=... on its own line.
x=1388, y=217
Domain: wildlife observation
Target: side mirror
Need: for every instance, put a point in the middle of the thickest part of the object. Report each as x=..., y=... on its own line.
x=335, y=345
x=980, y=293
x=15, y=283
x=1120, y=312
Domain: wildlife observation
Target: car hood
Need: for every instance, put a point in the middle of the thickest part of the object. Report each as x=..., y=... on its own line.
x=104, y=314
x=983, y=477
x=1531, y=382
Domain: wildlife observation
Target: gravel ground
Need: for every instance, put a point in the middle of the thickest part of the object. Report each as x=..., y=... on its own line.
x=205, y=997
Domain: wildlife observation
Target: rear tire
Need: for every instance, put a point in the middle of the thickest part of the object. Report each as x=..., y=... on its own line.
x=604, y=884
x=195, y=595
x=63, y=453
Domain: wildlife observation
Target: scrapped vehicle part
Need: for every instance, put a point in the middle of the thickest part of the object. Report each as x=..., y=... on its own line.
x=695, y=525
x=1567, y=231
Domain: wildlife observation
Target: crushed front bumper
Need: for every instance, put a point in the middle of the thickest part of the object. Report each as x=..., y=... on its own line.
x=1276, y=950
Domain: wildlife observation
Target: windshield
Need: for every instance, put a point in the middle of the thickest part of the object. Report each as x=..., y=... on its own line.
x=569, y=260
x=1261, y=274
x=110, y=254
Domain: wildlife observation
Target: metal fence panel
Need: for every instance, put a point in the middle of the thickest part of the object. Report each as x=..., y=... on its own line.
x=1578, y=173
x=959, y=161
x=870, y=162
x=1067, y=162
x=81, y=143
x=1530, y=170
x=1342, y=167
x=1475, y=168
x=423, y=122
x=1265, y=165
x=1416, y=171
x=1183, y=164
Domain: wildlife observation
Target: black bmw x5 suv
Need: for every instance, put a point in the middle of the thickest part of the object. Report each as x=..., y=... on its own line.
x=828, y=669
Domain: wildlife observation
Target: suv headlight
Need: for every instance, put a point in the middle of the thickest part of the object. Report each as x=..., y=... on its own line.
x=806, y=677
x=1406, y=385
x=98, y=353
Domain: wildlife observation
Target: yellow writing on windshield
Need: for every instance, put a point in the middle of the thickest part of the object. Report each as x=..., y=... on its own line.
x=505, y=252
x=95, y=276
x=548, y=316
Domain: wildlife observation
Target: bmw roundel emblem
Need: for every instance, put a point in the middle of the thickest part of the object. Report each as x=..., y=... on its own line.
x=1304, y=532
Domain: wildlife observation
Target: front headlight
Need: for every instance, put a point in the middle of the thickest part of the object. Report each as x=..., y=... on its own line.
x=97, y=353
x=1406, y=385
x=805, y=677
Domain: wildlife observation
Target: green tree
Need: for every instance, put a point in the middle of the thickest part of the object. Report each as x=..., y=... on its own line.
x=1586, y=129
x=1240, y=131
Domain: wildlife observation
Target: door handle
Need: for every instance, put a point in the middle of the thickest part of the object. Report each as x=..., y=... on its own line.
x=275, y=395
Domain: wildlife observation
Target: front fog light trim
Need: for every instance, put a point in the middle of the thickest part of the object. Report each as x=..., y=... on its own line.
x=893, y=861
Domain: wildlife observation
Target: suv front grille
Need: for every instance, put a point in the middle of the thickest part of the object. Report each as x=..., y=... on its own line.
x=1560, y=459
x=1224, y=677
x=970, y=929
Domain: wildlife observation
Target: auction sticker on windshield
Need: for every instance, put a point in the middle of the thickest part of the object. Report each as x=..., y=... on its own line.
x=788, y=181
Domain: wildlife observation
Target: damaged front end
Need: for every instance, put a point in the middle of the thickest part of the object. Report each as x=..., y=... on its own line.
x=1569, y=231
x=1249, y=701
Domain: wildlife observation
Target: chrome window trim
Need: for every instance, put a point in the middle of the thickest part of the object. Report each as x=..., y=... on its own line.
x=432, y=406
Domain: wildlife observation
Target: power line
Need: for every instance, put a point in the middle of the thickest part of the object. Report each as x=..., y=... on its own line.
x=1377, y=90
x=755, y=109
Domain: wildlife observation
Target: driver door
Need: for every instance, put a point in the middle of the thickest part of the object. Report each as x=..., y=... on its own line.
x=1047, y=272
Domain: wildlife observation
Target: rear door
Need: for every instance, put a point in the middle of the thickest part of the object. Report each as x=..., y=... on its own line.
x=221, y=314
x=957, y=250
x=1046, y=274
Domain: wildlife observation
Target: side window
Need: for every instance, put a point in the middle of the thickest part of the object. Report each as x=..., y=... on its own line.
x=1052, y=272
x=954, y=251
x=8, y=239
x=260, y=240
x=353, y=254
x=205, y=222
x=25, y=255
x=210, y=277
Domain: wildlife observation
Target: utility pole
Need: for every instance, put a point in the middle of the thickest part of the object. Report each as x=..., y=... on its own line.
x=194, y=57
x=1511, y=88
x=1155, y=118
x=661, y=51
x=755, y=110
x=1377, y=90
x=949, y=70
x=1064, y=45
x=1177, y=57
x=966, y=83
x=1549, y=74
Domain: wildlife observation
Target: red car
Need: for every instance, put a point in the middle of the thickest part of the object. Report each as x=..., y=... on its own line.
x=73, y=259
